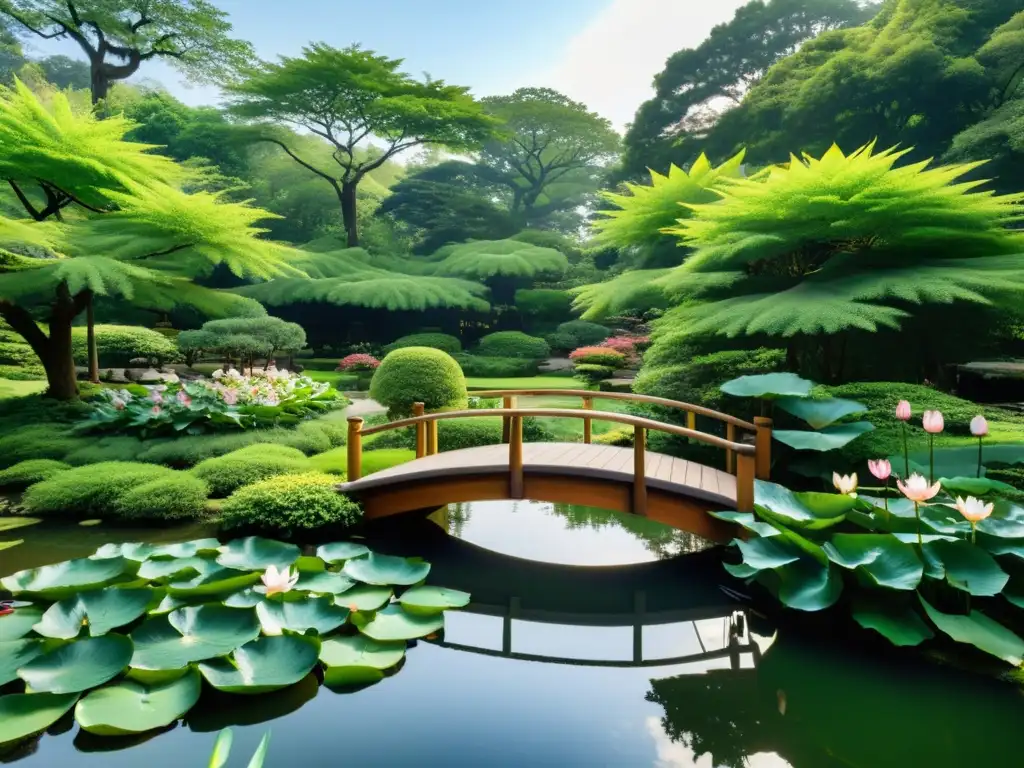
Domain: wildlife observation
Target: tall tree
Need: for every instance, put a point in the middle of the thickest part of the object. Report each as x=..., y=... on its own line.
x=117, y=36
x=348, y=96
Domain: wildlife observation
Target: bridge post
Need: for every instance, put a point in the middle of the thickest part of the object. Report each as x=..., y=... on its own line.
x=431, y=438
x=745, y=471
x=515, y=458
x=508, y=403
x=355, y=448
x=639, y=479
x=763, y=444
x=421, y=431
x=730, y=456
x=588, y=405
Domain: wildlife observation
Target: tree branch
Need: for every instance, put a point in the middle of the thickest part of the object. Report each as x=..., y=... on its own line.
x=77, y=201
x=25, y=325
x=32, y=211
x=300, y=161
x=59, y=33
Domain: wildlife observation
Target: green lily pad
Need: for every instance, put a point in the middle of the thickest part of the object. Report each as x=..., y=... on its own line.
x=763, y=554
x=181, y=567
x=811, y=511
x=1006, y=521
x=61, y=579
x=102, y=610
x=973, y=486
x=827, y=439
x=78, y=666
x=979, y=630
x=395, y=623
x=254, y=553
x=340, y=551
x=326, y=583
x=247, y=598
x=386, y=570
x=265, y=664
x=156, y=676
x=133, y=550
x=807, y=585
x=357, y=659
x=820, y=413
x=213, y=579
x=25, y=714
x=425, y=599
x=10, y=523
x=192, y=634
x=364, y=598
x=313, y=613
x=748, y=521
x=186, y=548
x=969, y=567
x=741, y=570
x=10, y=544
x=898, y=624
x=14, y=654
x=16, y=625
x=884, y=559
x=132, y=707
x=768, y=386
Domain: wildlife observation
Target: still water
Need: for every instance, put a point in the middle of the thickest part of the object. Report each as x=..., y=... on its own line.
x=593, y=639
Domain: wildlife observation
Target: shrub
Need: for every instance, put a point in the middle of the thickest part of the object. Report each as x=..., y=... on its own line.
x=621, y=436
x=585, y=333
x=561, y=341
x=418, y=374
x=627, y=345
x=459, y=433
x=15, y=354
x=37, y=441
x=543, y=305
x=591, y=373
x=513, y=344
x=358, y=362
x=25, y=473
x=115, y=448
x=496, y=367
x=90, y=491
x=116, y=345
x=598, y=356
x=248, y=465
x=30, y=372
x=178, y=496
x=289, y=503
x=441, y=341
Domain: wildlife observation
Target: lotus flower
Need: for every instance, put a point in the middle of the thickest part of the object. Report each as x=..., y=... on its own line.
x=932, y=422
x=279, y=582
x=118, y=404
x=183, y=398
x=155, y=410
x=156, y=397
x=917, y=488
x=974, y=510
x=845, y=483
x=880, y=468
x=979, y=427
x=230, y=396
x=903, y=410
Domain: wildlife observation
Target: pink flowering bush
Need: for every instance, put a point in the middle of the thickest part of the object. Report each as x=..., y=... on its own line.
x=358, y=362
x=598, y=356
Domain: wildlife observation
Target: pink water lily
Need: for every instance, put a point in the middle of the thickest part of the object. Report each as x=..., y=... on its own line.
x=933, y=422
x=979, y=427
x=903, y=410
x=183, y=398
x=880, y=468
x=974, y=511
x=917, y=488
x=279, y=582
x=155, y=410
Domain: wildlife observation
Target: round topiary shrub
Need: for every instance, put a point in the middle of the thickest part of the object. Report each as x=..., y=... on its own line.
x=441, y=341
x=585, y=333
x=178, y=496
x=116, y=345
x=290, y=503
x=591, y=373
x=598, y=356
x=418, y=374
x=513, y=344
x=248, y=465
x=561, y=341
x=25, y=473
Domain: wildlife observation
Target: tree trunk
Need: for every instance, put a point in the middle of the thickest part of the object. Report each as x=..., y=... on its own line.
x=100, y=84
x=90, y=335
x=59, y=362
x=348, y=213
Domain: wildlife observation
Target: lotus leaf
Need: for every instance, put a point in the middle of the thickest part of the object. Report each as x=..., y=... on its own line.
x=386, y=570
x=156, y=676
x=265, y=664
x=78, y=666
x=979, y=630
x=192, y=634
x=748, y=521
x=768, y=386
x=741, y=570
x=764, y=554
x=364, y=598
x=942, y=520
x=395, y=623
x=827, y=439
x=247, y=598
x=997, y=546
x=214, y=579
x=426, y=599
x=884, y=559
x=16, y=625
x=14, y=654
x=1006, y=521
x=132, y=550
x=912, y=538
x=340, y=551
x=968, y=567
x=210, y=714
x=132, y=707
x=10, y=544
x=23, y=714
x=102, y=609
x=820, y=413
x=257, y=554
x=182, y=567
x=10, y=523
x=312, y=613
x=61, y=579
x=326, y=583
x=812, y=511
x=809, y=586
x=898, y=624
x=186, y=548
x=973, y=486
x=358, y=660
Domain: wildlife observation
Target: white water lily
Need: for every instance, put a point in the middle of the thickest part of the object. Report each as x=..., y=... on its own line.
x=279, y=582
x=845, y=483
x=974, y=510
x=917, y=488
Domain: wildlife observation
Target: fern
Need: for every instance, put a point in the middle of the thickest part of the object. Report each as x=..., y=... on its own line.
x=636, y=289
x=483, y=259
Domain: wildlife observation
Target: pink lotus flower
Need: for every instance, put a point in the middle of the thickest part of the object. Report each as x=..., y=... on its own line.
x=279, y=582
x=155, y=410
x=903, y=411
x=974, y=510
x=880, y=468
x=933, y=422
x=183, y=398
x=917, y=489
x=979, y=427
x=156, y=397
x=230, y=396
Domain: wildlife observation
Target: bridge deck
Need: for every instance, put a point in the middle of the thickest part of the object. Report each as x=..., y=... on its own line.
x=603, y=462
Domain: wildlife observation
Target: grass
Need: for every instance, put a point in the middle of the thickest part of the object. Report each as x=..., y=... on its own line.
x=335, y=461
x=10, y=388
x=528, y=382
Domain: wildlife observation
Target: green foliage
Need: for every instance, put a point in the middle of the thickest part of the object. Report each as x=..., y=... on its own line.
x=559, y=341
x=585, y=333
x=418, y=374
x=116, y=345
x=37, y=441
x=592, y=373
x=502, y=258
x=543, y=305
x=292, y=503
x=452, y=435
x=257, y=336
x=25, y=473
x=496, y=367
x=441, y=341
x=598, y=356
x=248, y=465
x=513, y=344
x=175, y=496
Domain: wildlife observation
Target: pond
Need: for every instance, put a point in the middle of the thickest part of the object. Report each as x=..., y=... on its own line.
x=593, y=639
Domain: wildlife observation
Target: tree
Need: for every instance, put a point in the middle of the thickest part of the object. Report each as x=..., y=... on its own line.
x=345, y=97
x=117, y=36
x=503, y=265
x=246, y=337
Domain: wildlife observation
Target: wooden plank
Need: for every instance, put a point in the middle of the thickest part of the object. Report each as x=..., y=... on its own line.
x=655, y=463
x=709, y=480
x=679, y=470
x=623, y=461
x=727, y=486
x=693, y=475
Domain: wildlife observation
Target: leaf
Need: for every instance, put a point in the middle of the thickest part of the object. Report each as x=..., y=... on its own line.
x=247, y=598
x=14, y=654
x=10, y=544
x=24, y=714
x=132, y=707
x=192, y=634
x=260, y=755
x=886, y=560
x=820, y=413
x=806, y=585
x=61, y=579
x=265, y=664
x=979, y=630
x=357, y=659
x=969, y=567
x=424, y=599
x=326, y=583
x=257, y=554
x=1006, y=521
x=186, y=548
x=213, y=579
x=827, y=439
x=339, y=551
x=386, y=570
x=748, y=521
x=973, y=486
x=394, y=623
x=18, y=624
x=768, y=386
x=184, y=568
x=364, y=598
x=102, y=610
x=78, y=666
x=221, y=749
x=10, y=523
x=313, y=613
x=132, y=550
x=763, y=554
x=812, y=511
x=899, y=625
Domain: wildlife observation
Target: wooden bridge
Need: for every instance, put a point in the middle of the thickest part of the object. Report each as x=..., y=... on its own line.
x=663, y=488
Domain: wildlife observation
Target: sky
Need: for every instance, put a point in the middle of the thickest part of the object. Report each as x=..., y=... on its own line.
x=604, y=53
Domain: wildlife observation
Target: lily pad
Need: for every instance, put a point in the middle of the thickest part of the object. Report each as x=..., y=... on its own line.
x=898, y=624
x=10, y=544
x=24, y=714
x=64, y=578
x=340, y=551
x=807, y=585
x=313, y=613
x=426, y=599
x=132, y=550
x=969, y=567
x=357, y=659
x=192, y=634
x=213, y=579
x=16, y=625
x=78, y=666
x=811, y=511
x=15, y=654
x=827, y=439
x=102, y=610
x=973, y=486
x=1006, y=521
x=10, y=523
x=363, y=598
x=186, y=548
x=132, y=707
x=395, y=623
x=979, y=630
x=748, y=521
x=385, y=570
x=181, y=567
x=247, y=598
x=768, y=386
x=763, y=554
x=265, y=664
x=884, y=559
x=326, y=583
x=820, y=413
x=255, y=553
x=741, y=570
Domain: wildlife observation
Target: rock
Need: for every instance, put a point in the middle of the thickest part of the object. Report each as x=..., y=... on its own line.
x=148, y=376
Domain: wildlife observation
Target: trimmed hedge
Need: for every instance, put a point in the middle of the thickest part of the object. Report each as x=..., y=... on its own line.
x=441, y=341
x=174, y=497
x=290, y=503
x=225, y=474
x=591, y=373
x=116, y=345
x=335, y=461
x=513, y=344
x=418, y=374
x=598, y=356
x=25, y=473
x=560, y=341
x=496, y=367
x=460, y=433
x=585, y=333
x=539, y=305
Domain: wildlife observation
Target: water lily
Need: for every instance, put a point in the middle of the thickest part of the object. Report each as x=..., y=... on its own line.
x=979, y=428
x=974, y=511
x=279, y=582
x=903, y=414
x=155, y=410
x=933, y=424
x=845, y=483
x=918, y=490
x=903, y=410
x=118, y=404
x=880, y=468
x=183, y=398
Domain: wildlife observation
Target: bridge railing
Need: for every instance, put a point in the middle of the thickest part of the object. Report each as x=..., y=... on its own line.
x=751, y=459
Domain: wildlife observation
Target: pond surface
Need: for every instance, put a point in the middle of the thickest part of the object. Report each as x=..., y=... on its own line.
x=615, y=648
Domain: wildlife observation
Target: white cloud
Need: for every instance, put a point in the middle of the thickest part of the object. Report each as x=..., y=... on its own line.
x=610, y=64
